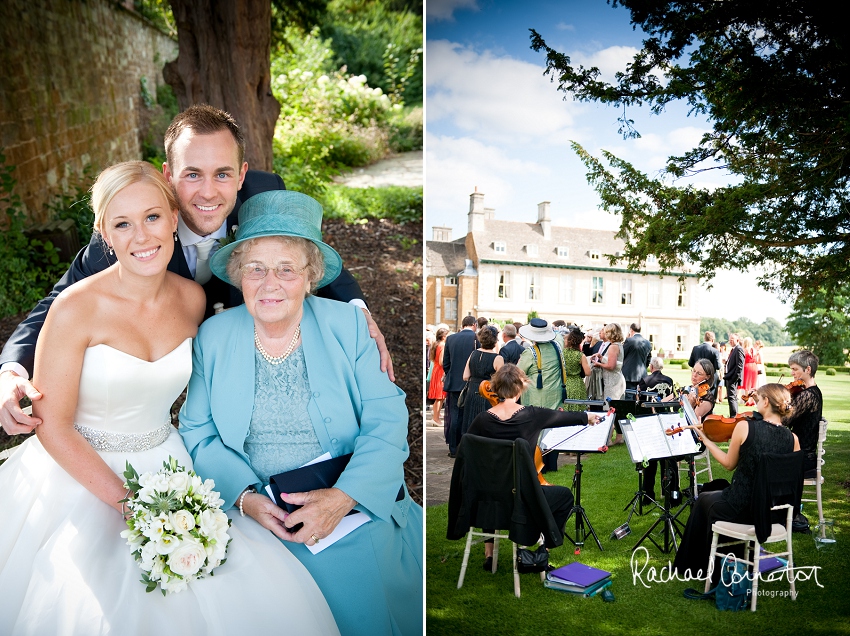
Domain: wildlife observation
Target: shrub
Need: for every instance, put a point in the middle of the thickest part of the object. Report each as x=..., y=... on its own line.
x=400, y=205
x=329, y=120
x=830, y=372
x=685, y=365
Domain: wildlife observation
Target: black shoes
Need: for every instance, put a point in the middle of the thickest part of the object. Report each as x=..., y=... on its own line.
x=488, y=564
x=452, y=455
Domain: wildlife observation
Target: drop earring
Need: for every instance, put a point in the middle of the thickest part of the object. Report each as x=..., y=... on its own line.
x=111, y=251
x=175, y=236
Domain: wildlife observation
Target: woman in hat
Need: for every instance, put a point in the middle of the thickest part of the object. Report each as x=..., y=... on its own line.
x=287, y=378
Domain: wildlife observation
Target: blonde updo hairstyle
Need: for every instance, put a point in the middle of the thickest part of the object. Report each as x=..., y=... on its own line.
x=509, y=381
x=315, y=266
x=613, y=332
x=778, y=397
x=115, y=178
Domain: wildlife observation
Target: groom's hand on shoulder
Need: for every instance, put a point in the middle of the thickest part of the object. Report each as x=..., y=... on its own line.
x=13, y=419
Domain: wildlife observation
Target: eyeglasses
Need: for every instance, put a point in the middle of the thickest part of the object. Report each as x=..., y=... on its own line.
x=258, y=271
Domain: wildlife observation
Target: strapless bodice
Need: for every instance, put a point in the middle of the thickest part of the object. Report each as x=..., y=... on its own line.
x=123, y=395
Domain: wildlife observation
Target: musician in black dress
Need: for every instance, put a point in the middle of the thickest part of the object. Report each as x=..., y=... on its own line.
x=761, y=434
x=808, y=407
x=508, y=420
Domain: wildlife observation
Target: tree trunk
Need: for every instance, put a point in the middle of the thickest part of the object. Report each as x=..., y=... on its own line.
x=224, y=61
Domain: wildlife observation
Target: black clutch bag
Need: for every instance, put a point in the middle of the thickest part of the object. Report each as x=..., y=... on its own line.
x=322, y=474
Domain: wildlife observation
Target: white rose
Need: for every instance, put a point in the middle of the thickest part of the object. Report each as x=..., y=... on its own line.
x=148, y=553
x=207, y=523
x=182, y=521
x=167, y=544
x=156, y=482
x=196, y=483
x=146, y=494
x=157, y=569
x=179, y=482
x=187, y=559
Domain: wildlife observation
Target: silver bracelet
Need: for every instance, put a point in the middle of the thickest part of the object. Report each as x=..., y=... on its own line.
x=242, y=496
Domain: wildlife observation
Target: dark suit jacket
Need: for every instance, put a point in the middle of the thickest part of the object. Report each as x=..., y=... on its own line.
x=93, y=258
x=458, y=348
x=734, y=375
x=637, y=351
x=705, y=350
x=511, y=351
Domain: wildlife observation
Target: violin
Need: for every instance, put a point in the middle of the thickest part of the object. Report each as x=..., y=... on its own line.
x=485, y=390
x=795, y=387
x=702, y=389
x=716, y=427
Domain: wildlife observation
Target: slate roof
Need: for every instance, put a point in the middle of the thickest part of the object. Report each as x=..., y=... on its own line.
x=445, y=258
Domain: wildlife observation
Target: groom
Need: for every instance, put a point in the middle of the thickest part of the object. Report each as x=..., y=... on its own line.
x=204, y=151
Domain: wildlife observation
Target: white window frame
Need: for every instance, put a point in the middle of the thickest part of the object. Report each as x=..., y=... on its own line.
x=450, y=309
x=533, y=286
x=503, y=284
x=563, y=252
x=531, y=249
x=567, y=289
x=653, y=288
x=597, y=295
x=626, y=297
x=682, y=298
x=450, y=281
x=500, y=247
x=651, y=260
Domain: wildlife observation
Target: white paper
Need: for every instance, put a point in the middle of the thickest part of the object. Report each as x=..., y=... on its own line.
x=348, y=525
x=586, y=439
x=680, y=443
x=646, y=439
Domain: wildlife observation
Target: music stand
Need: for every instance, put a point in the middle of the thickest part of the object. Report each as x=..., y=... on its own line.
x=645, y=439
x=588, y=439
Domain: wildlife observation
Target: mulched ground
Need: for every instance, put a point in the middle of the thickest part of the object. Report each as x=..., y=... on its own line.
x=386, y=259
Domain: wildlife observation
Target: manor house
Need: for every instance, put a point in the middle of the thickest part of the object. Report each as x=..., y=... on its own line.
x=506, y=269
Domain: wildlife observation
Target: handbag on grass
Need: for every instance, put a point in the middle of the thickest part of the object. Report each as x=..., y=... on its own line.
x=528, y=561
x=734, y=590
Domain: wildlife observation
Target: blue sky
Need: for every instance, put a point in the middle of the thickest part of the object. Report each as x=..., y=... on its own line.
x=494, y=122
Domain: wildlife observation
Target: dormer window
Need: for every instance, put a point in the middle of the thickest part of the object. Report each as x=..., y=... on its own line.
x=651, y=260
x=594, y=255
x=563, y=252
x=499, y=247
x=531, y=250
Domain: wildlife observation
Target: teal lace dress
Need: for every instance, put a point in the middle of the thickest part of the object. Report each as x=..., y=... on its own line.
x=281, y=436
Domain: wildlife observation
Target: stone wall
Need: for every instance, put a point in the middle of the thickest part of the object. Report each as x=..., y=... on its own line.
x=70, y=90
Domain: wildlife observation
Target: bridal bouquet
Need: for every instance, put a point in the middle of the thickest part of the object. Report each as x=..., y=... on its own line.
x=176, y=529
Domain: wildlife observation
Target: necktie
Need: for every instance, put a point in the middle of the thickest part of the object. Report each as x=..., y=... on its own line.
x=202, y=268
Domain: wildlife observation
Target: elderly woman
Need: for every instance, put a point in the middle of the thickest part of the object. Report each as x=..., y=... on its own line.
x=287, y=378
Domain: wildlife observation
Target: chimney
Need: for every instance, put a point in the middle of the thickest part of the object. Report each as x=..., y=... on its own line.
x=544, y=220
x=441, y=233
x=476, y=211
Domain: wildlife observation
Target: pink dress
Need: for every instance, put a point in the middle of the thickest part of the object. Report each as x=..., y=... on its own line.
x=750, y=369
x=435, y=386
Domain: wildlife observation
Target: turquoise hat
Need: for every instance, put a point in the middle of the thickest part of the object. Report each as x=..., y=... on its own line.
x=279, y=213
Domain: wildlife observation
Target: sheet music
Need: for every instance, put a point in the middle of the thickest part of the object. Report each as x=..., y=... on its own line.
x=645, y=437
x=681, y=443
x=587, y=439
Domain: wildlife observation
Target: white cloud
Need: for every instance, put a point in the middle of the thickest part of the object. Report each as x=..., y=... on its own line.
x=456, y=166
x=563, y=26
x=608, y=61
x=444, y=9
x=495, y=98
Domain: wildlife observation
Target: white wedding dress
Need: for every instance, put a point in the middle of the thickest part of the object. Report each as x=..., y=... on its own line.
x=64, y=568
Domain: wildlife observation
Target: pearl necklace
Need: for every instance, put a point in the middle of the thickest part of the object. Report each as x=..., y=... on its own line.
x=272, y=359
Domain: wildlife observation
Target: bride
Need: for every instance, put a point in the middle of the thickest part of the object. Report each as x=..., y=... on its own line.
x=114, y=354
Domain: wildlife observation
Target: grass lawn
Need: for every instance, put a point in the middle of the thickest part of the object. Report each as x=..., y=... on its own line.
x=486, y=604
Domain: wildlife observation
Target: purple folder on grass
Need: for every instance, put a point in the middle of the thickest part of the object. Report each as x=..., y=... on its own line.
x=578, y=574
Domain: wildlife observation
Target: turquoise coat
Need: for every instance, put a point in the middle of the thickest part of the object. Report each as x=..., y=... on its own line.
x=372, y=579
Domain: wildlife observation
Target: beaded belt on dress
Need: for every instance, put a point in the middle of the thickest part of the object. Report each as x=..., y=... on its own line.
x=124, y=442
